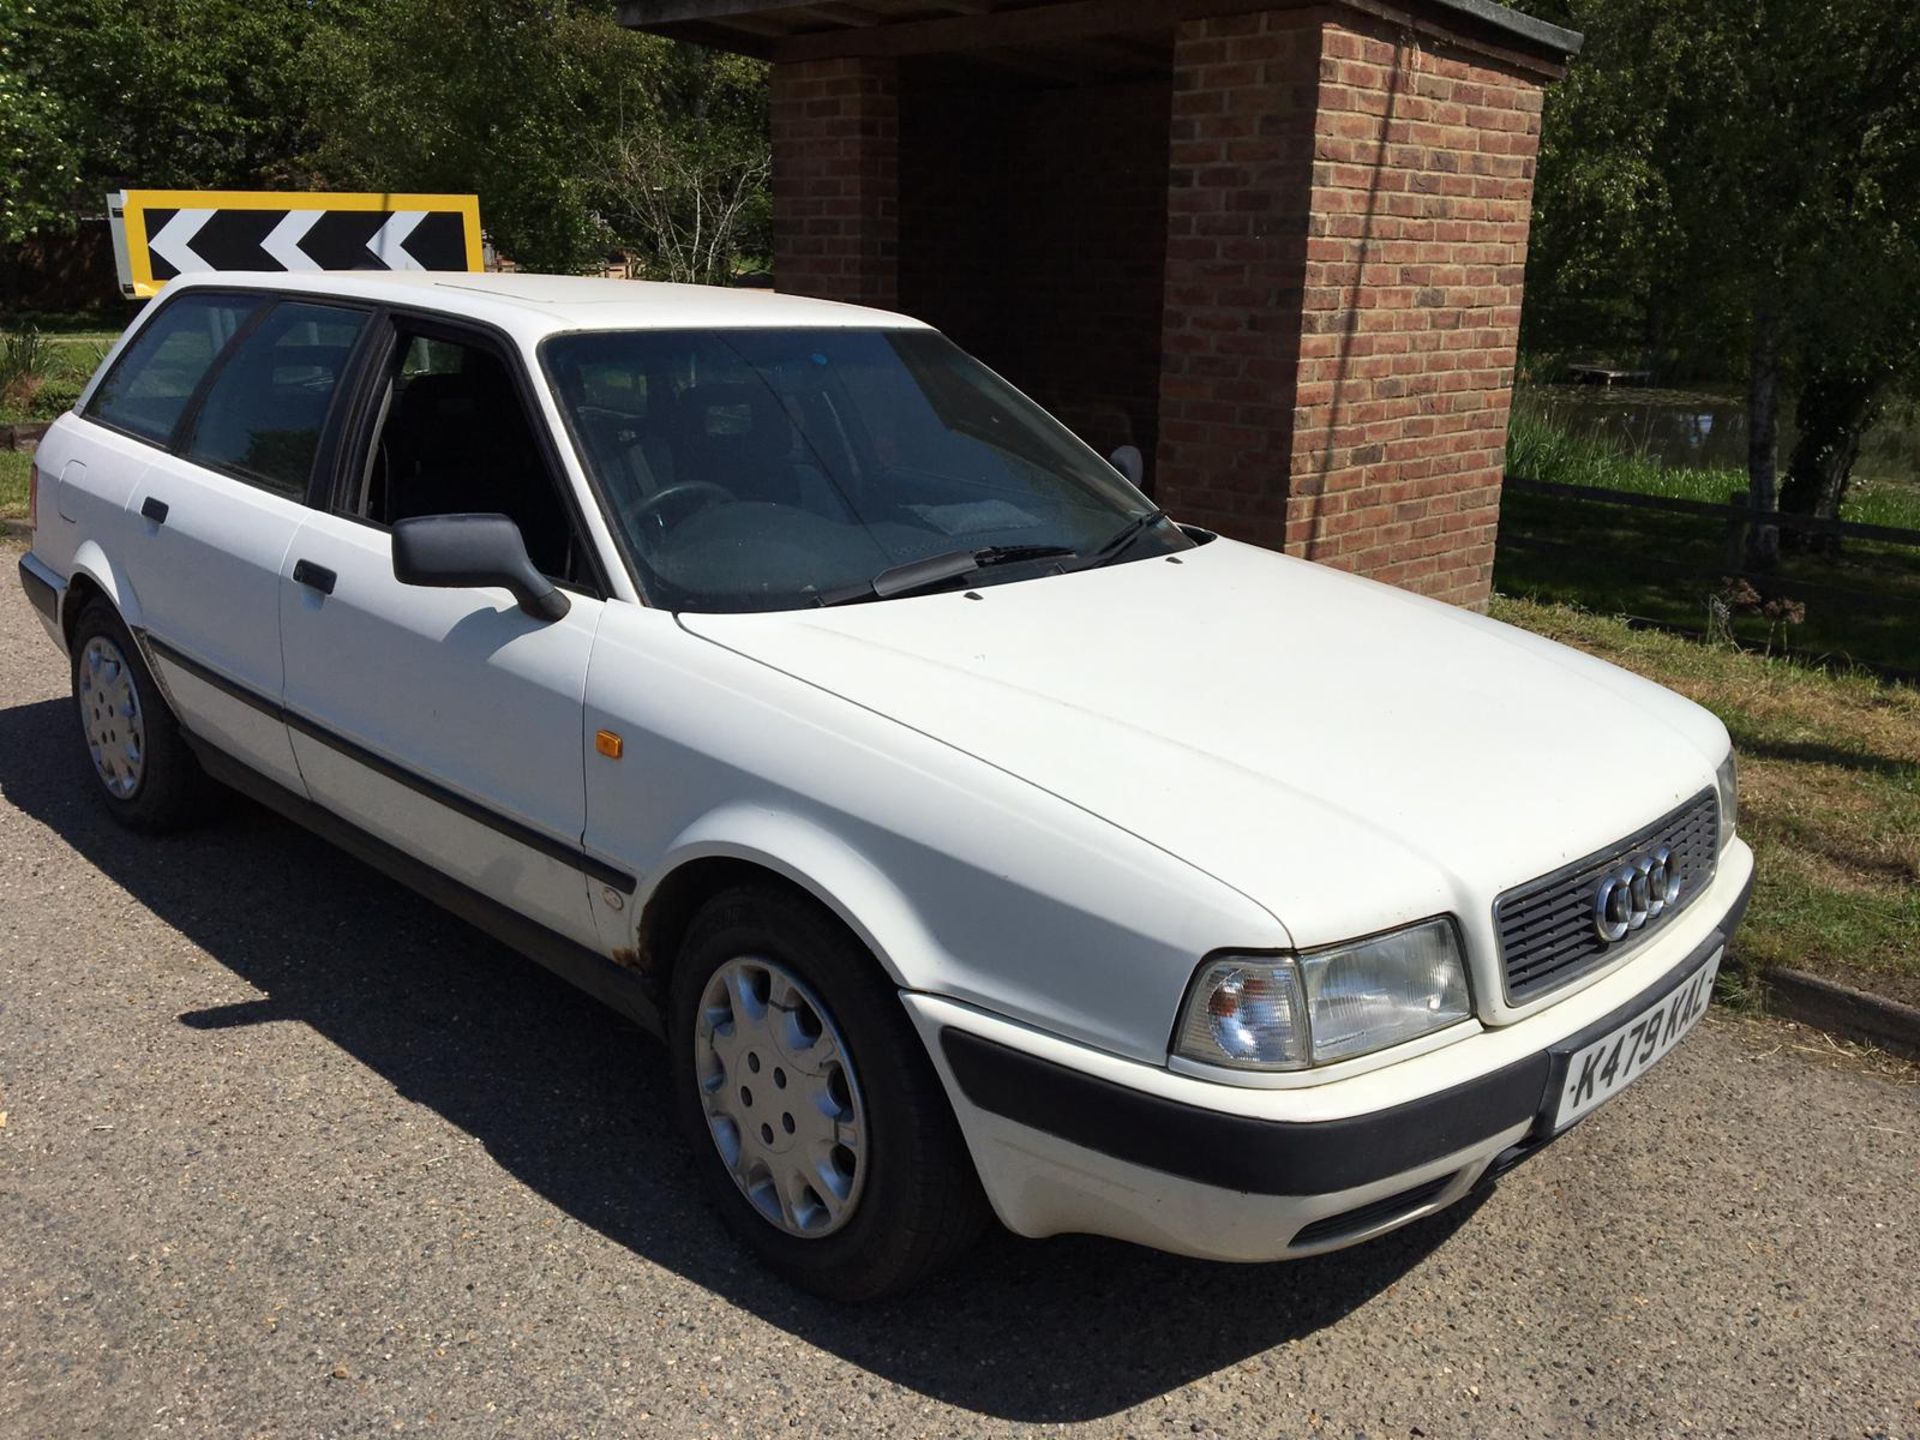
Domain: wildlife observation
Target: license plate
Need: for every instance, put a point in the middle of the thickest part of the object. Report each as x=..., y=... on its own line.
x=1600, y=1071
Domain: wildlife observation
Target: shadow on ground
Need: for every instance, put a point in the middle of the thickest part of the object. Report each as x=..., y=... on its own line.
x=570, y=1100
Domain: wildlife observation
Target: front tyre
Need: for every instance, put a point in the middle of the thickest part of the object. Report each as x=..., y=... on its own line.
x=147, y=776
x=818, y=1124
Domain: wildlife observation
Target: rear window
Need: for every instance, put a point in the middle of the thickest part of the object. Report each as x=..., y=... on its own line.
x=262, y=418
x=150, y=384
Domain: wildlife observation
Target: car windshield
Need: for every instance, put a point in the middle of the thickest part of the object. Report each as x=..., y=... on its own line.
x=778, y=469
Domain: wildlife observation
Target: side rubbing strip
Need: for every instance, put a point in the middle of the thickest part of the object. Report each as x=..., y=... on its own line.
x=525, y=835
x=211, y=677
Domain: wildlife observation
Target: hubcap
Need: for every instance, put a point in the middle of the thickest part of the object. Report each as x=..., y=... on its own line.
x=781, y=1099
x=110, y=710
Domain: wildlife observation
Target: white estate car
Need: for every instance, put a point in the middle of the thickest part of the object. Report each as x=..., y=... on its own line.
x=974, y=833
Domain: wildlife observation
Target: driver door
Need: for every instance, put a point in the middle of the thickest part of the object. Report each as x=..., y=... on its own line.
x=446, y=722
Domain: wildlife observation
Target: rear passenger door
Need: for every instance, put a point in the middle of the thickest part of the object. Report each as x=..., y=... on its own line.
x=445, y=721
x=211, y=515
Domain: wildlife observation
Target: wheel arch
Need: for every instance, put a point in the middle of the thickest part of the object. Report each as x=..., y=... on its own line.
x=93, y=576
x=755, y=846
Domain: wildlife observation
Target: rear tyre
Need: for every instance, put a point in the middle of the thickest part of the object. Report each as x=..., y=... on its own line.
x=147, y=776
x=818, y=1125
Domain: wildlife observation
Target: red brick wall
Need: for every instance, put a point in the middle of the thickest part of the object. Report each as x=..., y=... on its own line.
x=1348, y=220
x=1033, y=231
x=836, y=212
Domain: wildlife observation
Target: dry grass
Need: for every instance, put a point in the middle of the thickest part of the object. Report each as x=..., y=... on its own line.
x=1762, y=1039
x=1829, y=795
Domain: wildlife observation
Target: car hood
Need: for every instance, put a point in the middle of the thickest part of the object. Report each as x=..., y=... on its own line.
x=1347, y=754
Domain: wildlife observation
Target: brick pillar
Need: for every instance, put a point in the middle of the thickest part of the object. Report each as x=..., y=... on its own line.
x=836, y=193
x=1348, y=212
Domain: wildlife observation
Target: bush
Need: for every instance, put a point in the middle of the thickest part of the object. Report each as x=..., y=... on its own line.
x=26, y=363
x=54, y=399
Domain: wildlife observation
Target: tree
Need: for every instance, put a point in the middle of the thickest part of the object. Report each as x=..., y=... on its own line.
x=1736, y=179
x=579, y=137
x=686, y=175
x=96, y=94
x=513, y=102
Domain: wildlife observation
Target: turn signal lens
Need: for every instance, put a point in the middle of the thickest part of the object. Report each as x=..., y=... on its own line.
x=1294, y=1011
x=1249, y=1012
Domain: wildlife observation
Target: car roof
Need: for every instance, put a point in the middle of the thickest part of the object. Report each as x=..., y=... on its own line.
x=534, y=306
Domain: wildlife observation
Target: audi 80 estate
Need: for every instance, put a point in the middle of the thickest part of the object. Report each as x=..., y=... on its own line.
x=981, y=840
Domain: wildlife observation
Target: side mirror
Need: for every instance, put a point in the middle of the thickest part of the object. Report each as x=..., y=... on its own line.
x=454, y=551
x=1129, y=462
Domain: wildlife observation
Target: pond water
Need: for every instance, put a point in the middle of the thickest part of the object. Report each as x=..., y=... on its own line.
x=1708, y=429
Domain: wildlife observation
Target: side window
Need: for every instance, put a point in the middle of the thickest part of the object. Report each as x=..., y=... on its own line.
x=262, y=417
x=455, y=438
x=150, y=384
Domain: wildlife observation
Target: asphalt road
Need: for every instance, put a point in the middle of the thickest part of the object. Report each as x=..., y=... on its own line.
x=287, y=1152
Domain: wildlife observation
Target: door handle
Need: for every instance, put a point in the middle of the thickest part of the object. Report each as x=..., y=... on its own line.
x=314, y=577
x=154, y=509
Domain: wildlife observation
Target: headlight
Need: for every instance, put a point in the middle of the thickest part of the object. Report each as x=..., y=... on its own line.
x=1289, y=1012
x=1726, y=781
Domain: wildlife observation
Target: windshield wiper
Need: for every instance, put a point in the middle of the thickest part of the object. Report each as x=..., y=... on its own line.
x=1128, y=533
x=922, y=574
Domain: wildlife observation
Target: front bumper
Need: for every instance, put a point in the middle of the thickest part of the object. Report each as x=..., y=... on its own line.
x=1072, y=1140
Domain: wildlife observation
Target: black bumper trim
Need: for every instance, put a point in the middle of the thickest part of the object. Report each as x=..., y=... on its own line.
x=1237, y=1152
x=1269, y=1157
x=45, y=598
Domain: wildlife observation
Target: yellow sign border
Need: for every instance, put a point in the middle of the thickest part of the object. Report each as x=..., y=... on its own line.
x=136, y=203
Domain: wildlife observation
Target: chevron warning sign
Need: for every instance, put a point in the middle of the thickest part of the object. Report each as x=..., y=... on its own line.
x=158, y=234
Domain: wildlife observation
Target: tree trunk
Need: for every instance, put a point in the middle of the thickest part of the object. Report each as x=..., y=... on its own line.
x=1835, y=410
x=1763, y=426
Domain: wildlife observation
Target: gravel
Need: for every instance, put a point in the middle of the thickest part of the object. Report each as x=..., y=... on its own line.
x=288, y=1152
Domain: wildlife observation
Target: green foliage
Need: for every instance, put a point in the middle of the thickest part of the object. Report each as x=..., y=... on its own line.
x=1731, y=184
x=54, y=399
x=1541, y=448
x=686, y=175
x=514, y=106
x=524, y=102
x=40, y=153
x=1704, y=155
x=42, y=374
x=201, y=93
x=26, y=362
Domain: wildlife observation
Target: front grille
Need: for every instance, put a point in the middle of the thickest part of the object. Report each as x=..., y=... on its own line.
x=1546, y=927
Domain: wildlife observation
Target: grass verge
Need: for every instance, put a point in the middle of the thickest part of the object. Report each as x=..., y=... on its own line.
x=1829, y=797
x=1860, y=607
x=13, y=484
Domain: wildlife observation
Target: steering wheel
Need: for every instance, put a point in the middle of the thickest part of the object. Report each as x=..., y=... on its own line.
x=701, y=494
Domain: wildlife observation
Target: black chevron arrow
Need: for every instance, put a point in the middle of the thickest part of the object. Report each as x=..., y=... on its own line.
x=338, y=239
x=230, y=240
x=439, y=242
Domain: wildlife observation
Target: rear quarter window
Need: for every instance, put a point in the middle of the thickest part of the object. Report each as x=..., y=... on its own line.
x=262, y=417
x=147, y=390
